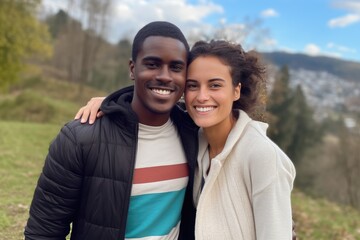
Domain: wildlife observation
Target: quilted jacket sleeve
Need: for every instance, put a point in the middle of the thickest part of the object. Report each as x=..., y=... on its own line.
x=57, y=193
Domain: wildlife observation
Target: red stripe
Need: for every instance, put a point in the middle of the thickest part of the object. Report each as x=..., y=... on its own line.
x=160, y=173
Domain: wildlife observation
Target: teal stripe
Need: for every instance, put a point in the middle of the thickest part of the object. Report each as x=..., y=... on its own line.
x=154, y=214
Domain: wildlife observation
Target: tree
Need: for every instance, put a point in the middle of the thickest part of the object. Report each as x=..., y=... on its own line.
x=22, y=36
x=348, y=162
x=282, y=127
x=307, y=132
x=292, y=127
x=83, y=45
x=57, y=23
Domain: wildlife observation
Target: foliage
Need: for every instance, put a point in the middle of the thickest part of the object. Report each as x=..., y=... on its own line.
x=22, y=36
x=292, y=125
x=348, y=153
x=332, y=170
x=307, y=132
x=57, y=23
x=282, y=128
x=112, y=72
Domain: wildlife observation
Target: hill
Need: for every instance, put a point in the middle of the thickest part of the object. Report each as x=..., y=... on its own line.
x=44, y=100
x=343, y=69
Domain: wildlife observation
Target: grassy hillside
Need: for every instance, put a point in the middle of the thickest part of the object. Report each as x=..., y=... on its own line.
x=44, y=100
x=319, y=219
x=23, y=147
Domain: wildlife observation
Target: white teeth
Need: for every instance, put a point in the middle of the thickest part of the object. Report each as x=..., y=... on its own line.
x=161, y=91
x=204, y=109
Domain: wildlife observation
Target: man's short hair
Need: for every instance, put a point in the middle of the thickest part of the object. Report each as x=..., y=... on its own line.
x=157, y=28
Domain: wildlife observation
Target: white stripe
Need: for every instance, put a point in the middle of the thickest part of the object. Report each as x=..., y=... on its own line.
x=173, y=235
x=159, y=187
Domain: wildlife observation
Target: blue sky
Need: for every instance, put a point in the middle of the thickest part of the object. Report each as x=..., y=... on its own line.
x=315, y=27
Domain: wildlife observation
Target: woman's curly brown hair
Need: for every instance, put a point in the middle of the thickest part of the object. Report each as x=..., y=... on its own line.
x=246, y=69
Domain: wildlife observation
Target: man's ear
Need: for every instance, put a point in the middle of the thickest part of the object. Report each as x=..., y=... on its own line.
x=131, y=69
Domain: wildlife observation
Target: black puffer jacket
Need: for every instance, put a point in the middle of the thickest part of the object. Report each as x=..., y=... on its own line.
x=87, y=176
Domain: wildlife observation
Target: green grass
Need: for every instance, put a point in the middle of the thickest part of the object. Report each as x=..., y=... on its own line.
x=23, y=147
x=318, y=219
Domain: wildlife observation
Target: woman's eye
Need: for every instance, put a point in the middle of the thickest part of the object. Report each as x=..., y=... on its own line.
x=215, y=85
x=191, y=86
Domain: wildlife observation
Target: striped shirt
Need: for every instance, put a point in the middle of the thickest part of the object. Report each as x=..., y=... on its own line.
x=159, y=184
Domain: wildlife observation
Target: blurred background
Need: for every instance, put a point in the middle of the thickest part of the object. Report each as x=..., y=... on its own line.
x=57, y=54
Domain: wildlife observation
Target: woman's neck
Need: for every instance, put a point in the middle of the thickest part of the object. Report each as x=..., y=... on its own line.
x=217, y=136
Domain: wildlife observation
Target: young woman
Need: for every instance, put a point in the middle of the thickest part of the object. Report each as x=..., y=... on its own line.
x=243, y=181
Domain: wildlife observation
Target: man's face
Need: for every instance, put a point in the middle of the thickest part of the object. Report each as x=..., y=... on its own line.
x=159, y=73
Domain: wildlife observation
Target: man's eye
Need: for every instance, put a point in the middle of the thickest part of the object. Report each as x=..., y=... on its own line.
x=151, y=65
x=177, y=67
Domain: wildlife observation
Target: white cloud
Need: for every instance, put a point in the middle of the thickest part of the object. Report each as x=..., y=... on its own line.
x=353, y=15
x=270, y=42
x=269, y=13
x=312, y=49
x=287, y=49
x=344, y=21
x=349, y=5
x=129, y=16
x=340, y=48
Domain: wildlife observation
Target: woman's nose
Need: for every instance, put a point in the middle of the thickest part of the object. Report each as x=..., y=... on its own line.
x=203, y=95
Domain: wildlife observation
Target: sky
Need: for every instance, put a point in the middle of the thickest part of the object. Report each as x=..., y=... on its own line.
x=314, y=27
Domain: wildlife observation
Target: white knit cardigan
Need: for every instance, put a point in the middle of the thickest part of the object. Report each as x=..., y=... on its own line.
x=247, y=194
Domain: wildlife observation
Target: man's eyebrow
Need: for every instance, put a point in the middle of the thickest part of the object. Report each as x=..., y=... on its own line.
x=179, y=62
x=151, y=58
x=158, y=59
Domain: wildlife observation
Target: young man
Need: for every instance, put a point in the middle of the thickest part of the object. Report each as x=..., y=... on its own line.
x=126, y=175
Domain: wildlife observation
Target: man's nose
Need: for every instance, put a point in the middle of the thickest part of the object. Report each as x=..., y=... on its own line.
x=164, y=74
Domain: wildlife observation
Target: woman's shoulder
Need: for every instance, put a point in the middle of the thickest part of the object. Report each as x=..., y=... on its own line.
x=260, y=150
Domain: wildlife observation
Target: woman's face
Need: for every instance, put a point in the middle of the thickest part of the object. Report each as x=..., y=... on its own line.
x=209, y=92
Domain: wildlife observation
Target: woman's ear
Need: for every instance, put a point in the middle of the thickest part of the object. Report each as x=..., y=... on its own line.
x=237, y=92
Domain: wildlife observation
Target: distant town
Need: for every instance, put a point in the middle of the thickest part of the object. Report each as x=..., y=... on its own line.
x=326, y=93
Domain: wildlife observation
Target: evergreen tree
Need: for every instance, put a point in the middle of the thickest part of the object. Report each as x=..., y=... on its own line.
x=292, y=127
x=57, y=23
x=282, y=127
x=307, y=131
